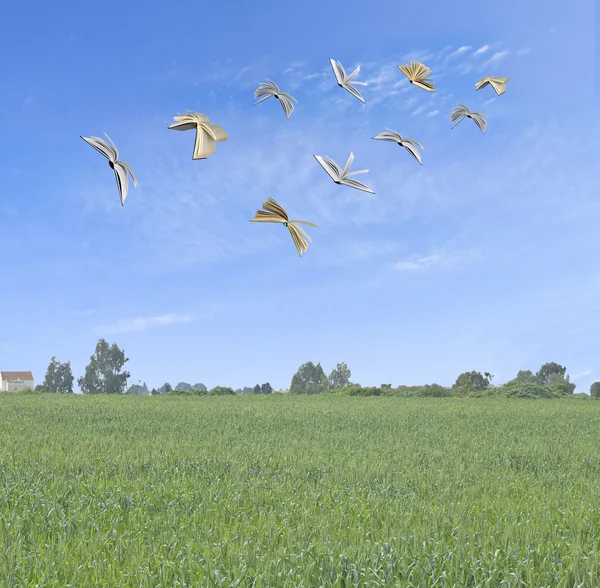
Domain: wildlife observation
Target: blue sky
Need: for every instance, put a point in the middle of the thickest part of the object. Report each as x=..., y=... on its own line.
x=485, y=258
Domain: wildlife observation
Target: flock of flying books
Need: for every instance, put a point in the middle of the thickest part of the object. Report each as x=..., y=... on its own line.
x=208, y=134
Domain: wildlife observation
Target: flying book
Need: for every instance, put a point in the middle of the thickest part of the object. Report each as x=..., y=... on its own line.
x=462, y=111
x=119, y=167
x=345, y=81
x=207, y=133
x=340, y=176
x=417, y=74
x=276, y=214
x=409, y=144
x=268, y=89
x=499, y=84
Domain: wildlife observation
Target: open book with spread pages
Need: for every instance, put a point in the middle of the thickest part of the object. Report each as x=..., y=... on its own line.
x=342, y=176
x=417, y=74
x=207, y=133
x=409, y=144
x=269, y=88
x=498, y=83
x=120, y=168
x=274, y=213
x=462, y=111
x=346, y=81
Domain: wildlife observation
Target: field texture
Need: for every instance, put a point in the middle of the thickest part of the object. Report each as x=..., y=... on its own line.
x=298, y=491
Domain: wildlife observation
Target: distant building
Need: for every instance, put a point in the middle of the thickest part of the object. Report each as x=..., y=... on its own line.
x=15, y=381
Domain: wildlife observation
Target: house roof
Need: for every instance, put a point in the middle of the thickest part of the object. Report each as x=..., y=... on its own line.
x=16, y=375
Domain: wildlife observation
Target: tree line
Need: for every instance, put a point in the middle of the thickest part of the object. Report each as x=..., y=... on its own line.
x=104, y=375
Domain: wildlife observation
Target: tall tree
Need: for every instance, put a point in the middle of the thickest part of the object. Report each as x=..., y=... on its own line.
x=65, y=378
x=339, y=377
x=103, y=374
x=472, y=379
x=595, y=390
x=526, y=376
x=562, y=383
x=309, y=379
x=544, y=373
x=59, y=377
x=256, y=389
x=266, y=388
x=51, y=380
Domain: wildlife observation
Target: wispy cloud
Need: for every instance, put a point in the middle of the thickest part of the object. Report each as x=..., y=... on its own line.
x=581, y=374
x=494, y=59
x=448, y=260
x=460, y=51
x=139, y=324
x=482, y=50
x=419, y=263
x=433, y=112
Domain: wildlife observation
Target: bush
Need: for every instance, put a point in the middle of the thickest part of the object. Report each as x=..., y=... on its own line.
x=190, y=392
x=515, y=389
x=349, y=390
x=220, y=390
x=434, y=390
x=27, y=391
x=368, y=391
x=595, y=390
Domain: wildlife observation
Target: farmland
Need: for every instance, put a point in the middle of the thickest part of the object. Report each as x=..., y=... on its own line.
x=286, y=490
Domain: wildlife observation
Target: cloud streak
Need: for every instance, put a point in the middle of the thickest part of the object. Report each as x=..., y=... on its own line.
x=140, y=324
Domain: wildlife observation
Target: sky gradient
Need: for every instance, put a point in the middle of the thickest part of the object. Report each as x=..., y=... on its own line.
x=485, y=258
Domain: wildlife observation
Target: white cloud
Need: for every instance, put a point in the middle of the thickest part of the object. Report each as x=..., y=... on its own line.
x=460, y=51
x=433, y=112
x=419, y=263
x=139, y=324
x=418, y=110
x=495, y=58
x=580, y=374
x=449, y=258
x=482, y=50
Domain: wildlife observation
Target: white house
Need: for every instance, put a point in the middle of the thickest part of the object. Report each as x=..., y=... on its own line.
x=15, y=381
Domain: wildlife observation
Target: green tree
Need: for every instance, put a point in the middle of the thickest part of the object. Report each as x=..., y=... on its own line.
x=595, y=390
x=65, y=378
x=256, y=389
x=51, y=380
x=339, y=377
x=526, y=376
x=472, y=380
x=103, y=374
x=218, y=390
x=309, y=379
x=59, y=377
x=266, y=388
x=544, y=373
x=561, y=383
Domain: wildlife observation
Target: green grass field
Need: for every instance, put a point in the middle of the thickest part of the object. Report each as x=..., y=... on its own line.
x=298, y=491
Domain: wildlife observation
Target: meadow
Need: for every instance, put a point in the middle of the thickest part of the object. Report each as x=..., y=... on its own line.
x=281, y=490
